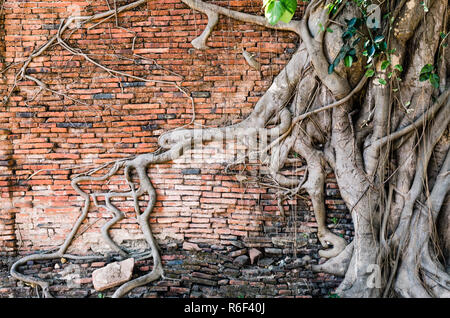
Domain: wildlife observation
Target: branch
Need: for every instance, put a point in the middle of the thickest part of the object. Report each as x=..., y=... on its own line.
x=212, y=10
x=333, y=105
x=335, y=83
x=318, y=110
x=423, y=158
x=440, y=188
x=69, y=21
x=429, y=114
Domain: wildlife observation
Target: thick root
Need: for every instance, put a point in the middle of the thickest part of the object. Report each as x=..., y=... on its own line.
x=338, y=264
x=327, y=237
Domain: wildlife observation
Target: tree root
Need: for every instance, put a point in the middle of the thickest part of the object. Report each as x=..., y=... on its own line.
x=338, y=264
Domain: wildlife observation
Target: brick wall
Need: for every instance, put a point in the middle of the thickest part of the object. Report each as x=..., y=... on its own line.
x=94, y=118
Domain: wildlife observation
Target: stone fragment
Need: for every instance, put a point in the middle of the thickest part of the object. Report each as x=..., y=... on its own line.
x=113, y=274
x=306, y=258
x=203, y=281
x=191, y=171
x=190, y=246
x=241, y=260
x=273, y=251
x=172, y=246
x=265, y=261
x=103, y=96
x=284, y=241
x=254, y=255
x=201, y=94
x=238, y=253
x=237, y=244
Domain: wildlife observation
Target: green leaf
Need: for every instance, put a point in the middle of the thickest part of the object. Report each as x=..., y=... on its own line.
x=428, y=68
x=389, y=74
x=290, y=5
x=347, y=35
x=330, y=68
x=266, y=2
x=341, y=55
x=352, y=52
x=287, y=16
x=382, y=81
x=378, y=38
x=329, y=30
x=369, y=73
x=330, y=7
x=348, y=60
x=424, y=77
x=399, y=68
x=385, y=64
x=321, y=28
x=274, y=11
x=356, y=41
x=434, y=80
x=371, y=51
x=351, y=22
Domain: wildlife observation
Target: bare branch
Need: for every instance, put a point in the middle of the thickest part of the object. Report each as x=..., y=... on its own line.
x=211, y=10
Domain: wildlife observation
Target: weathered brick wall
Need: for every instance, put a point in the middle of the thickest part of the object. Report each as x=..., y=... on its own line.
x=97, y=118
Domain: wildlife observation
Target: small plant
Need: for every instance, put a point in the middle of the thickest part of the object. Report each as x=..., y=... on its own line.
x=348, y=50
x=428, y=73
x=333, y=6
